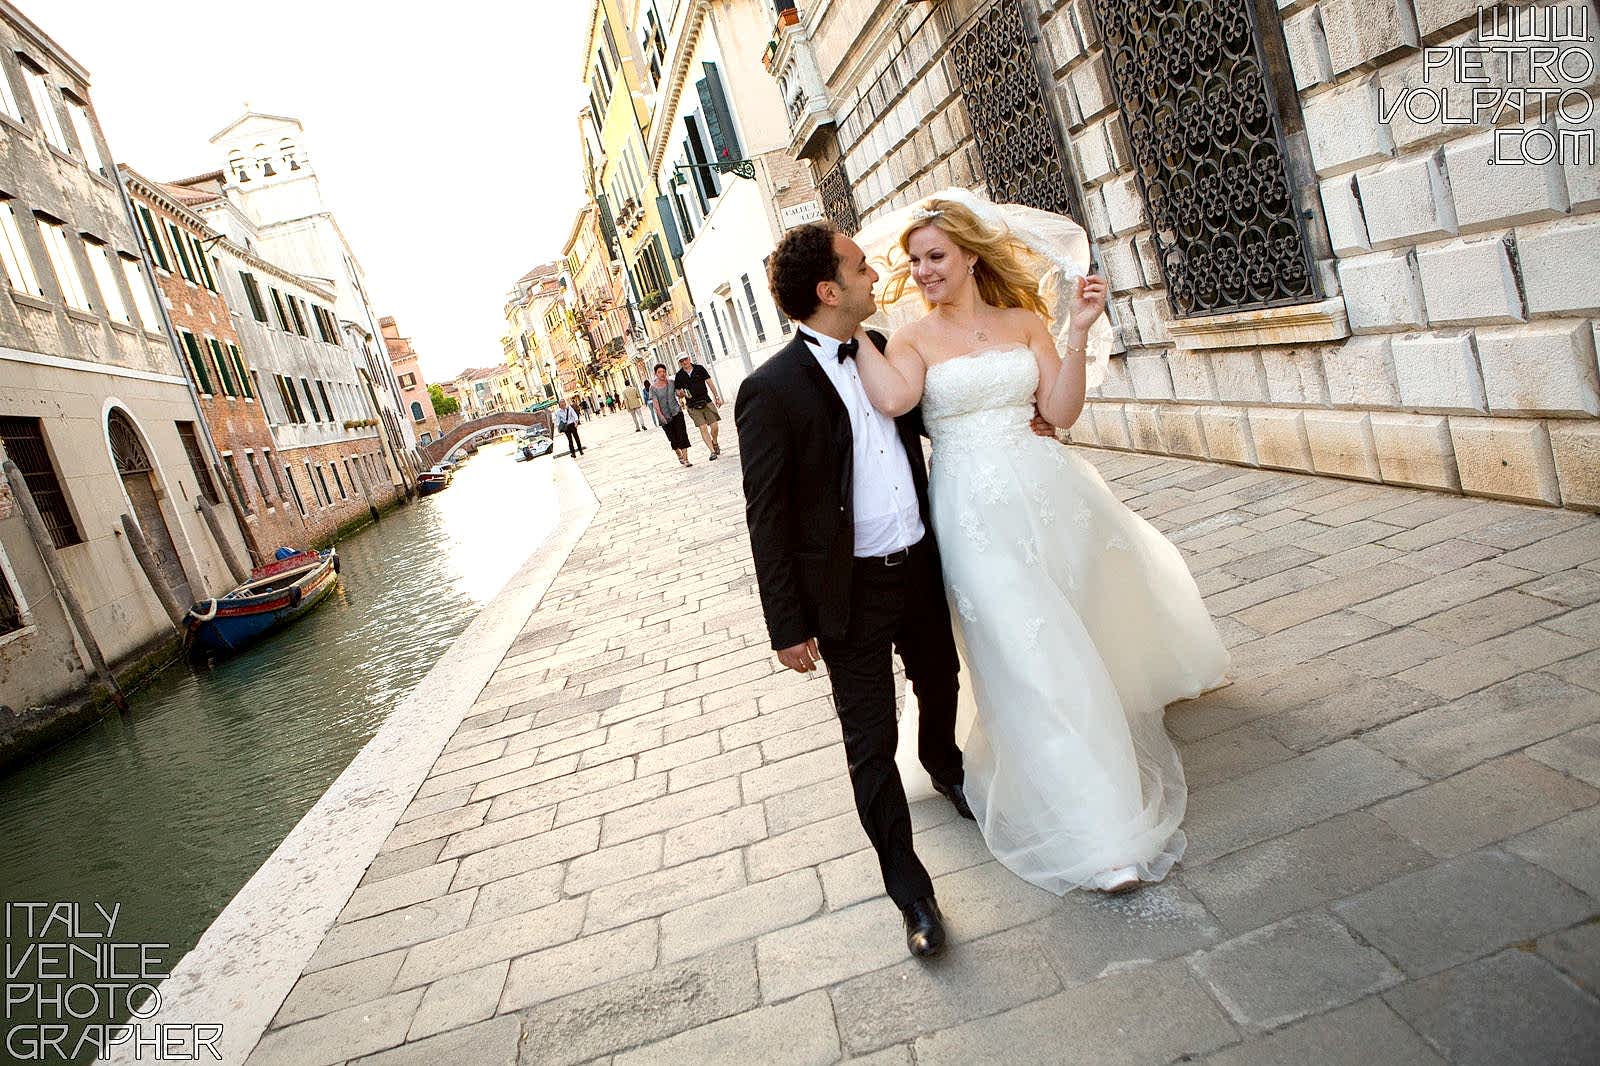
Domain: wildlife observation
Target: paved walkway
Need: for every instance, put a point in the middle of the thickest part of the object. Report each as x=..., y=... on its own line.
x=641, y=846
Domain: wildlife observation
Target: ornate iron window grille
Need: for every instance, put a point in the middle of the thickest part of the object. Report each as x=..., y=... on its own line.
x=126, y=447
x=1192, y=86
x=1018, y=141
x=837, y=202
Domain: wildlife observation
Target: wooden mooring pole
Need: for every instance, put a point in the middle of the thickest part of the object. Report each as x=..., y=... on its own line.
x=152, y=572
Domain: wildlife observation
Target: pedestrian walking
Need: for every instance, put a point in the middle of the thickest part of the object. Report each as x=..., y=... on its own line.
x=567, y=422
x=669, y=413
x=702, y=398
x=634, y=402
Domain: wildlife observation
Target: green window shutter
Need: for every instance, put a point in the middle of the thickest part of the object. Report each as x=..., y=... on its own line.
x=205, y=277
x=244, y=374
x=184, y=266
x=718, y=116
x=152, y=237
x=223, y=372
x=198, y=361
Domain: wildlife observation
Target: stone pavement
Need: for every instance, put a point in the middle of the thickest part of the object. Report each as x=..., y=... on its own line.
x=641, y=846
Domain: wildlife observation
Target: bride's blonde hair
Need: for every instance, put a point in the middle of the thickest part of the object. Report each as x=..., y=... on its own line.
x=1007, y=271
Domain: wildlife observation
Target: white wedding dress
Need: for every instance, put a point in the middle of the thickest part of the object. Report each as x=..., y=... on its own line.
x=1078, y=623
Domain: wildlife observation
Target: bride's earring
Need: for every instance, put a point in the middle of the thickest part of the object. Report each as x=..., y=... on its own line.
x=971, y=269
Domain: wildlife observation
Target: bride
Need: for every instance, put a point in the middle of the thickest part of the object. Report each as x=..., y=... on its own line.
x=1078, y=621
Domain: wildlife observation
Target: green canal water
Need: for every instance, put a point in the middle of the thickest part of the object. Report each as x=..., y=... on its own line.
x=168, y=810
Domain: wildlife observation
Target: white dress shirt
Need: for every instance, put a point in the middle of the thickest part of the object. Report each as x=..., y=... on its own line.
x=887, y=517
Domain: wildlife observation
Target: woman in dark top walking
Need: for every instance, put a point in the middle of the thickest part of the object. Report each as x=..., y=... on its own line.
x=664, y=399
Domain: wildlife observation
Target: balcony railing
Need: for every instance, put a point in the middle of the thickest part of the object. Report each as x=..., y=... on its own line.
x=792, y=61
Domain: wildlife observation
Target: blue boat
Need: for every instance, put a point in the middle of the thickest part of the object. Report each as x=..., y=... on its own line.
x=275, y=595
x=432, y=481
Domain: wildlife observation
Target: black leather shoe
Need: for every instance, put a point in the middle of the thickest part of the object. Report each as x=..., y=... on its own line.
x=957, y=797
x=924, y=928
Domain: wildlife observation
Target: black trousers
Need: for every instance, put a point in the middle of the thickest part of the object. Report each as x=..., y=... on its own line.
x=573, y=443
x=895, y=609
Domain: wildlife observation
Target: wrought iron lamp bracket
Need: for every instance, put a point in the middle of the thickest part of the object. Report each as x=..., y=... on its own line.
x=744, y=168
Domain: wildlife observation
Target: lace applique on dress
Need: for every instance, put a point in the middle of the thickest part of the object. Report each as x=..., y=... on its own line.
x=1042, y=503
x=988, y=484
x=1030, y=550
x=1030, y=633
x=1082, y=516
x=973, y=525
x=1118, y=544
x=964, y=605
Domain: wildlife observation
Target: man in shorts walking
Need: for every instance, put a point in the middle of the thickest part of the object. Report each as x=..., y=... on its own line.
x=701, y=399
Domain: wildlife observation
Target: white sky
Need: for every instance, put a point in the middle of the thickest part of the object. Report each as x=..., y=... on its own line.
x=445, y=136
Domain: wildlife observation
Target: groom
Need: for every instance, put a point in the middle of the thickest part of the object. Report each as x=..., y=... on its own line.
x=836, y=498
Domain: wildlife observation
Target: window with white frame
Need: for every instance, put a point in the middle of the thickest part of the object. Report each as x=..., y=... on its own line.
x=103, y=267
x=141, y=294
x=755, y=312
x=59, y=249
x=45, y=106
x=78, y=113
x=652, y=43
x=8, y=97
x=14, y=253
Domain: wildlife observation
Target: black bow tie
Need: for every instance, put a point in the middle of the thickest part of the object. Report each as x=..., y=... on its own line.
x=847, y=349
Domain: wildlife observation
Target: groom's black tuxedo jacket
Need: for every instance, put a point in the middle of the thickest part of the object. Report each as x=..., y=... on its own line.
x=795, y=446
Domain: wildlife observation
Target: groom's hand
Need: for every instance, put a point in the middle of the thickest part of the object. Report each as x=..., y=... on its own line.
x=802, y=658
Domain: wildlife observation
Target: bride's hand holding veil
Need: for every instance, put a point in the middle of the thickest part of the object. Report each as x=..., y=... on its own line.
x=1062, y=371
x=1088, y=304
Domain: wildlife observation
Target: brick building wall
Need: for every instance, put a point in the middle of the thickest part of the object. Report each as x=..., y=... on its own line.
x=333, y=486
x=218, y=368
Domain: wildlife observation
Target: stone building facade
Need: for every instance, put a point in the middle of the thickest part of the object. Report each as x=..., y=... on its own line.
x=1314, y=264
x=180, y=248
x=270, y=200
x=95, y=411
x=418, y=405
x=319, y=406
x=713, y=80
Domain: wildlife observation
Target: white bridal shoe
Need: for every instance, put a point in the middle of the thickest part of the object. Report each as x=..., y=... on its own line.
x=1115, y=882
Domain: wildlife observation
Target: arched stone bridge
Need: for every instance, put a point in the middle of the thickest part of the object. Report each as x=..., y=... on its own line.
x=487, y=426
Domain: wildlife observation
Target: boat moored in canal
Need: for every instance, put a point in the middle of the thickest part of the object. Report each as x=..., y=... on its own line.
x=275, y=595
x=432, y=481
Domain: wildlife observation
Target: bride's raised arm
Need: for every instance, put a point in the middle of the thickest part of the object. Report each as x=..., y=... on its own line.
x=893, y=379
x=1062, y=373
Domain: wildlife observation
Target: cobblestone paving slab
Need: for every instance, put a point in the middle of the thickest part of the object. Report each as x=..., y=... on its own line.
x=640, y=845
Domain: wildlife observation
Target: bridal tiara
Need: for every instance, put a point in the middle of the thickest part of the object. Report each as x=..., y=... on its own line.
x=926, y=214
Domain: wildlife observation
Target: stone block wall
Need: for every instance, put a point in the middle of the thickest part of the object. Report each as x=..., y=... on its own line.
x=1456, y=348
x=903, y=128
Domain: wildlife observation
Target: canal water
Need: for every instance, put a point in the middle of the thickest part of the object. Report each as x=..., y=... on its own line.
x=168, y=810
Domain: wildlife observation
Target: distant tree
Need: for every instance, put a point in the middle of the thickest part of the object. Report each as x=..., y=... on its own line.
x=442, y=404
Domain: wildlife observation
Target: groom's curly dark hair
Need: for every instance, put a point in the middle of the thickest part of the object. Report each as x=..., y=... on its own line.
x=803, y=260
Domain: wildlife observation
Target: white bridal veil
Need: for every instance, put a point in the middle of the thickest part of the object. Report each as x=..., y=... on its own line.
x=1060, y=243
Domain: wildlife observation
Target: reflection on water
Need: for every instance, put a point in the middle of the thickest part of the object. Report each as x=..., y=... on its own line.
x=170, y=809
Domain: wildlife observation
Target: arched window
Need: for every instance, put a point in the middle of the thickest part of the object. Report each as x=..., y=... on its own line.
x=238, y=167
x=416, y=411
x=287, y=152
x=264, y=161
x=126, y=447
